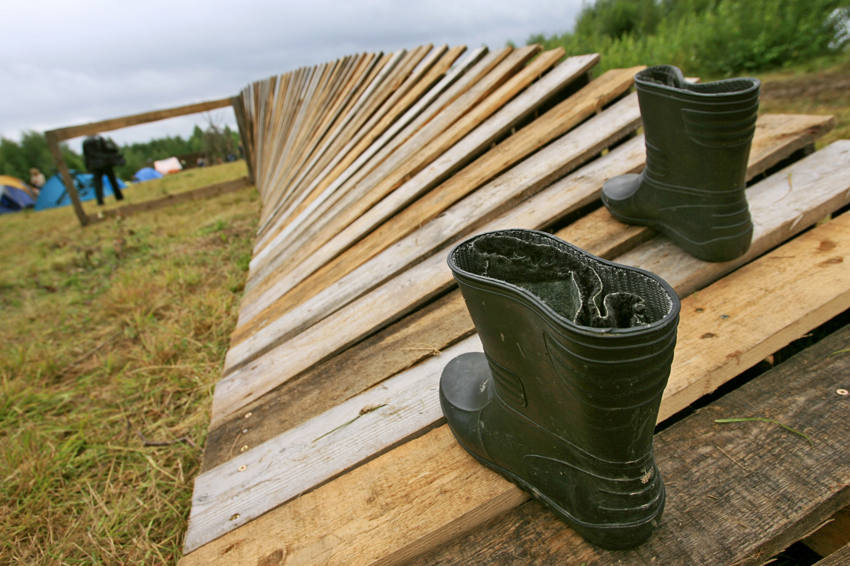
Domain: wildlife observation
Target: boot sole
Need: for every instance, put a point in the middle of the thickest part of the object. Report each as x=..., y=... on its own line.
x=611, y=536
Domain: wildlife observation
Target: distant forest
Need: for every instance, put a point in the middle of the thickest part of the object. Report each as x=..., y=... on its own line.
x=213, y=144
x=710, y=38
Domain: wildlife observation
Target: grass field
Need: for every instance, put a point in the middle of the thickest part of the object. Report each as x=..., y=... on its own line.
x=112, y=338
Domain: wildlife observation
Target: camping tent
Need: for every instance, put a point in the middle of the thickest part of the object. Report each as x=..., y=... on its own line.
x=54, y=194
x=146, y=174
x=166, y=166
x=13, y=197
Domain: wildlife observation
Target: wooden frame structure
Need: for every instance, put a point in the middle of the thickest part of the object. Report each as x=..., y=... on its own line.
x=55, y=137
x=327, y=443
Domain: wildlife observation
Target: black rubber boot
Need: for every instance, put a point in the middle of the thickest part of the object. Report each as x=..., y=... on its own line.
x=564, y=400
x=698, y=140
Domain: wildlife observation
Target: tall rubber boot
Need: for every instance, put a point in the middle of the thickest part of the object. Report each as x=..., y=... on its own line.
x=698, y=140
x=564, y=400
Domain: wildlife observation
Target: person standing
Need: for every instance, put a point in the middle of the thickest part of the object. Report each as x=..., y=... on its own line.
x=100, y=155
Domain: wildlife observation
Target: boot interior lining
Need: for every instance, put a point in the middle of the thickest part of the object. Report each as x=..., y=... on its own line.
x=576, y=285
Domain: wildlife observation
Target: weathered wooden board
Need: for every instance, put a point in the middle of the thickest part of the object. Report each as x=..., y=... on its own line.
x=425, y=491
x=338, y=307
x=351, y=432
x=397, y=215
x=838, y=558
x=331, y=156
x=442, y=323
x=736, y=493
x=453, y=96
x=419, y=151
x=834, y=534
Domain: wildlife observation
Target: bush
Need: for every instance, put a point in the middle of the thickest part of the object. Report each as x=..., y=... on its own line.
x=710, y=37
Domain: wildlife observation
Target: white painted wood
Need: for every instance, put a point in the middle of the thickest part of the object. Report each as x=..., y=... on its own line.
x=540, y=169
x=329, y=444
x=472, y=144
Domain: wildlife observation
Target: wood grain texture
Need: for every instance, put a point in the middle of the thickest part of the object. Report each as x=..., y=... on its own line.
x=422, y=516
x=737, y=493
x=124, y=121
x=834, y=534
x=336, y=440
x=840, y=557
x=338, y=307
x=450, y=96
x=401, y=345
x=399, y=214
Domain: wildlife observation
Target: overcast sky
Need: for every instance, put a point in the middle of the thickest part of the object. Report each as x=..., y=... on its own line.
x=68, y=62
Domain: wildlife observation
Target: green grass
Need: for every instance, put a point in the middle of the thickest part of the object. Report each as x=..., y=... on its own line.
x=111, y=339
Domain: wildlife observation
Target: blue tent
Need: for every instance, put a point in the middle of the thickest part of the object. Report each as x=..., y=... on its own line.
x=146, y=174
x=53, y=192
x=13, y=199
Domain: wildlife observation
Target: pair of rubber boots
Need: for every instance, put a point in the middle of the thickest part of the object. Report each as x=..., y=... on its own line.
x=577, y=350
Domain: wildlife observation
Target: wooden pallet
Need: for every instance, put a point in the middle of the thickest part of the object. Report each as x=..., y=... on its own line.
x=326, y=442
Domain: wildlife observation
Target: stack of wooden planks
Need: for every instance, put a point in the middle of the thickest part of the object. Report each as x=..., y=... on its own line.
x=326, y=443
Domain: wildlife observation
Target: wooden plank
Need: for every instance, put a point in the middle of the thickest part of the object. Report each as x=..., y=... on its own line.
x=427, y=491
x=353, y=116
x=412, y=287
x=838, y=558
x=835, y=532
x=332, y=150
x=736, y=494
x=338, y=115
x=169, y=200
x=340, y=438
x=134, y=119
x=271, y=298
x=415, y=337
x=457, y=80
x=318, y=208
x=421, y=151
x=65, y=175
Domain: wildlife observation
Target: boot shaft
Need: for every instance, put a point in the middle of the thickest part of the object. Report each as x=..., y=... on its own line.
x=698, y=136
x=580, y=346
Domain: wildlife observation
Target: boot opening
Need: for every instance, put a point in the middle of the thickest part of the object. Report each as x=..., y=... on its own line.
x=671, y=77
x=576, y=285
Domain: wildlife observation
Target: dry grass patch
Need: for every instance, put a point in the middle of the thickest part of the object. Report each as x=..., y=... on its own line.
x=111, y=340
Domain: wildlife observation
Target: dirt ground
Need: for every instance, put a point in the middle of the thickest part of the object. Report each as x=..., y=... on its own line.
x=824, y=91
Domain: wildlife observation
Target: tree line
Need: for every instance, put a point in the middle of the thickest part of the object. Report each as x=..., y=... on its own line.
x=214, y=143
x=712, y=38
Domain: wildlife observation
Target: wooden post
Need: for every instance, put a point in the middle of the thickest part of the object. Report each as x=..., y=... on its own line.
x=65, y=175
x=245, y=135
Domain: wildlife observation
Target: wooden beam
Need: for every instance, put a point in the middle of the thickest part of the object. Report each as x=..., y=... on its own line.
x=410, y=287
x=69, y=132
x=327, y=257
x=169, y=200
x=65, y=175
